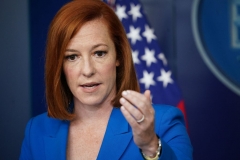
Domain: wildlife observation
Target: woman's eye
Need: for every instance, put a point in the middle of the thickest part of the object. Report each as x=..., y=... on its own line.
x=71, y=57
x=100, y=53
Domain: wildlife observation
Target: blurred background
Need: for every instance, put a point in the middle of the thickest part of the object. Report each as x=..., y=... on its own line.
x=200, y=39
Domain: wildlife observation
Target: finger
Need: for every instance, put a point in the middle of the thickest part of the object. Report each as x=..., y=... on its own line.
x=135, y=112
x=133, y=123
x=147, y=93
x=141, y=101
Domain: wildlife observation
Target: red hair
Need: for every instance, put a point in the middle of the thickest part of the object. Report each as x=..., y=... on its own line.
x=66, y=23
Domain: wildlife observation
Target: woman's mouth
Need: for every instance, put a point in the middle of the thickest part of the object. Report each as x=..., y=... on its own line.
x=90, y=87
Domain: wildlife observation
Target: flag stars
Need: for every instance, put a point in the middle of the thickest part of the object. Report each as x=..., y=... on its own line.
x=149, y=57
x=134, y=34
x=135, y=57
x=162, y=58
x=135, y=11
x=149, y=34
x=165, y=78
x=147, y=79
x=121, y=12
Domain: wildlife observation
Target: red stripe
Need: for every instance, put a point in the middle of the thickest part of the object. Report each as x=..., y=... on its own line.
x=181, y=106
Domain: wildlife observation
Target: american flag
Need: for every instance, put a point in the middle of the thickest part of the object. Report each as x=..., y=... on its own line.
x=150, y=63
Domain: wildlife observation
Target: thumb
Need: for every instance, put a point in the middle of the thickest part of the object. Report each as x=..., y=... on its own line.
x=147, y=93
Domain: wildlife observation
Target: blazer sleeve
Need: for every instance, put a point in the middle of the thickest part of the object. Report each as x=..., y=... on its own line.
x=170, y=127
x=25, y=150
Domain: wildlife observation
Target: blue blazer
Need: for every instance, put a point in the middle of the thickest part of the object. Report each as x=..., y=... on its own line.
x=46, y=138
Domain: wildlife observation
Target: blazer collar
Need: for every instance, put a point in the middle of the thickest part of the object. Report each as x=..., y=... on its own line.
x=117, y=136
x=56, y=140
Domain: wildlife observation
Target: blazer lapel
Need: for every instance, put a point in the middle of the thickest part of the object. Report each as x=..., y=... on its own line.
x=117, y=137
x=56, y=141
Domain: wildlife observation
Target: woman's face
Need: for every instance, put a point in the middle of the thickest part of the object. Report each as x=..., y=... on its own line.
x=90, y=65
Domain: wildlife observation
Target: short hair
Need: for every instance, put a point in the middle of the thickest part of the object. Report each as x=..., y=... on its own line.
x=64, y=26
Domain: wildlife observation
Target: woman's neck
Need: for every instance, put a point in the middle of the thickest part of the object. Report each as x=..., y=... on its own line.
x=89, y=114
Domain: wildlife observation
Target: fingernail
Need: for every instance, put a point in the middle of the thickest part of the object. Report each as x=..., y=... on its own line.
x=124, y=93
x=123, y=108
x=122, y=100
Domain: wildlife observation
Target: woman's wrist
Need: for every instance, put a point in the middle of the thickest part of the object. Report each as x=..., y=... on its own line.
x=152, y=152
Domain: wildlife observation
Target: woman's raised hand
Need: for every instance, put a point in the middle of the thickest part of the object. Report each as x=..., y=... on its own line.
x=138, y=111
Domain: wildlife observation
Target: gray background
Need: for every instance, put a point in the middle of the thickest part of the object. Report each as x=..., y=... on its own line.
x=15, y=79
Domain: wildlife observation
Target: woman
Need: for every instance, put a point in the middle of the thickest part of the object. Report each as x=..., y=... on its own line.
x=95, y=110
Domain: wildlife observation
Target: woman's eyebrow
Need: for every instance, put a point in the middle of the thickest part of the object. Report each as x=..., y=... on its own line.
x=71, y=50
x=93, y=47
x=97, y=45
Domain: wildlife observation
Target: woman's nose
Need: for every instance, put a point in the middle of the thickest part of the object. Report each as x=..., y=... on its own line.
x=88, y=68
